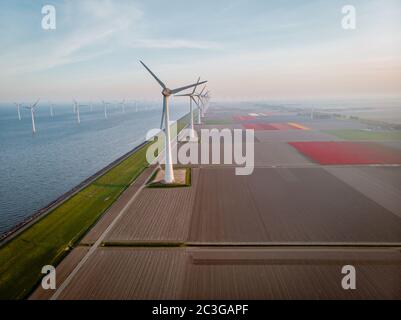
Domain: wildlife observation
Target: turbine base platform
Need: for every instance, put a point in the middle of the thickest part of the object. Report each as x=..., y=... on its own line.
x=182, y=178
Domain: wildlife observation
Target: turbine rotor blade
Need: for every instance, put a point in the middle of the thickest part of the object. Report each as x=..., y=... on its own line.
x=154, y=76
x=196, y=86
x=186, y=87
x=36, y=103
x=193, y=99
x=202, y=90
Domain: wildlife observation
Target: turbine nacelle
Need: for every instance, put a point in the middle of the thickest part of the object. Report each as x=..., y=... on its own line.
x=166, y=92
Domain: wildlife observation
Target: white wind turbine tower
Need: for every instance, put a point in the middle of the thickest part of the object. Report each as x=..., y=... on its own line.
x=18, y=105
x=200, y=104
x=74, y=107
x=78, y=111
x=202, y=97
x=105, y=109
x=32, y=109
x=191, y=112
x=123, y=106
x=51, y=110
x=168, y=172
x=207, y=98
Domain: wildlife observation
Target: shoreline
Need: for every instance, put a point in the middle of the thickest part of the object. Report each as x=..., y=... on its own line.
x=44, y=211
x=48, y=237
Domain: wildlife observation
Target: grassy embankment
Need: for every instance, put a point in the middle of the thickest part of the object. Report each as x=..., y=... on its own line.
x=51, y=238
x=364, y=135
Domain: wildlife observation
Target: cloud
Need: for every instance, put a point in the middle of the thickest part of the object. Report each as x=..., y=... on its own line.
x=83, y=28
x=174, y=44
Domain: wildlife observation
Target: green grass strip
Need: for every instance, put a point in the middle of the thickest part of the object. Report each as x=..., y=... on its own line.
x=51, y=238
x=364, y=135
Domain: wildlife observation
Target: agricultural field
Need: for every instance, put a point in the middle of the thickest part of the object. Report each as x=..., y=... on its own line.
x=365, y=135
x=313, y=203
x=348, y=153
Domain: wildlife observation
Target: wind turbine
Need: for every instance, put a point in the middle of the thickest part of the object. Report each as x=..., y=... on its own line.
x=202, y=97
x=78, y=112
x=200, y=104
x=123, y=106
x=105, y=109
x=76, y=104
x=32, y=108
x=168, y=172
x=18, y=105
x=206, y=97
x=51, y=110
x=191, y=99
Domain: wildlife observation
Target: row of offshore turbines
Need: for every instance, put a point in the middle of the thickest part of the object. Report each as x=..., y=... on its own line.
x=199, y=99
x=76, y=109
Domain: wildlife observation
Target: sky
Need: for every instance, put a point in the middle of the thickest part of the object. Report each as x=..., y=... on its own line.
x=246, y=49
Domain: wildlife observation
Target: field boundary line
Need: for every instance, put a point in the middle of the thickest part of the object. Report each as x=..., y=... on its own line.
x=396, y=245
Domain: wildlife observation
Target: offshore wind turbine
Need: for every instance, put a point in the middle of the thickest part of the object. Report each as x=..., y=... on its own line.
x=51, y=110
x=105, y=109
x=168, y=172
x=32, y=109
x=78, y=111
x=18, y=105
x=123, y=106
x=191, y=111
